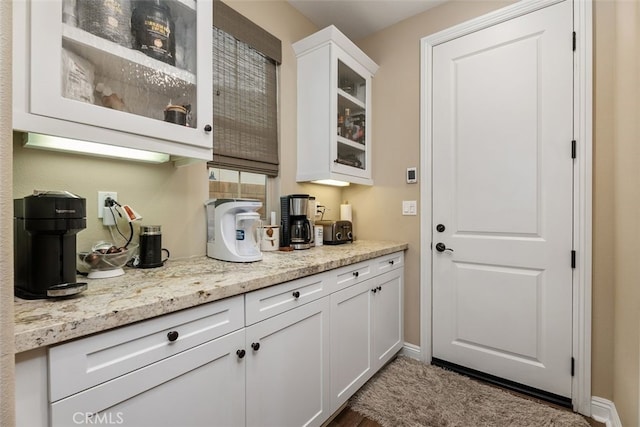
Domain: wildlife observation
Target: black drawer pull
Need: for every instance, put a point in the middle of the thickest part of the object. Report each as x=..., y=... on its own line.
x=374, y=290
x=255, y=346
x=379, y=288
x=296, y=294
x=172, y=336
x=391, y=261
x=240, y=353
x=207, y=128
x=356, y=274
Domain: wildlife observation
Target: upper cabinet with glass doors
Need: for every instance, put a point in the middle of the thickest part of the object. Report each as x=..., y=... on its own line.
x=134, y=73
x=334, y=109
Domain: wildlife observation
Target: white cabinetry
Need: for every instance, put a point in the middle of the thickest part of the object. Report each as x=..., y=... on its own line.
x=366, y=331
x=179, y=368
x=63, y=74
x=288, y=368
x=285, y=355
x=201, y=386
x=334, y=109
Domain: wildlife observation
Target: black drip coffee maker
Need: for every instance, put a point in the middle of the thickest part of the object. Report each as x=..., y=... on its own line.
x=295, y=226
x=45, y=225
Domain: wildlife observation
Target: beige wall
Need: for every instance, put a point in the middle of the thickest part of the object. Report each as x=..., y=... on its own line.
x=626, y=210
x=166, y=196
x=603, y=200
x=6, y=225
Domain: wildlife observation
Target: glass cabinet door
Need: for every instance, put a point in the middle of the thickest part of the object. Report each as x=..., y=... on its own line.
x=351, y=123
x=130, y=65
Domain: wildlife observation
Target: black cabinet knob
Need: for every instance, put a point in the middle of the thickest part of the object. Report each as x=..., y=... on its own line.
x=440, y=228
x=391, y=262
x=240, y=353
x=172, y=336
x=356, y=274
x=207, y=128
x=296, y=294
x=374, y=290
x=255, y=346
x=379, y=288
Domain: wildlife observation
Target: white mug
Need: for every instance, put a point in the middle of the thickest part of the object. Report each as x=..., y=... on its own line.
x=269, y=238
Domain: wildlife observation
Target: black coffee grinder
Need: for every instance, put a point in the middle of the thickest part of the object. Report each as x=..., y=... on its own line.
x=45, y=225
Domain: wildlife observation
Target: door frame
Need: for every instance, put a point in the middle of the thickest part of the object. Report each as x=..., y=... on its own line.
x=582, y=183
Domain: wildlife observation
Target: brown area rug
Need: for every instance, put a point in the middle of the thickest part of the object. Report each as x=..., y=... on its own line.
x=408, y=392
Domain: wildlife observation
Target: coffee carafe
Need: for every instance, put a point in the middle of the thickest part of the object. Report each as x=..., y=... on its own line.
x=233, y=229
x=295, y=226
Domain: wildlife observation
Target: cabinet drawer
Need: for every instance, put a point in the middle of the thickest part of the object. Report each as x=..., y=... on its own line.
x=355, y=273
x=268, y=302
x=201, y=386
x=86, y=362
x=389, y=262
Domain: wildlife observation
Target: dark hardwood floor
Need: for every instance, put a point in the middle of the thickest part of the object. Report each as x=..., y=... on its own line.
x=349, y=418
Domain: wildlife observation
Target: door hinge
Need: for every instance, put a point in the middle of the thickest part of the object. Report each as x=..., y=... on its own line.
x=573, y=259
x=573, y=367
x=574, y=41
x=573, y=149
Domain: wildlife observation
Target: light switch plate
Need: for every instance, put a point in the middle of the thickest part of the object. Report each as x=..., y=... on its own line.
x=409, y=207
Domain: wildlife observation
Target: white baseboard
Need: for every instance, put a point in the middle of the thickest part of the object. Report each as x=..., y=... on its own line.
x=604, y=411
x=411, y=350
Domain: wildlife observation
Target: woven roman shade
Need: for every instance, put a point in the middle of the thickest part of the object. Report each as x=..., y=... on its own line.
x=245, y=94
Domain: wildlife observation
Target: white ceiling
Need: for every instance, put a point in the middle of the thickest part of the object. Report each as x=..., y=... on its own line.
x=360, y=18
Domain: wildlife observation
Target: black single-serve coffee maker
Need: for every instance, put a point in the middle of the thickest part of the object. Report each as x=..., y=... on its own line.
x=45, y=225
x=295, y=227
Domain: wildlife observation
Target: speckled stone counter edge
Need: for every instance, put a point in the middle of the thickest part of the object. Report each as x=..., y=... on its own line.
x=180, y=284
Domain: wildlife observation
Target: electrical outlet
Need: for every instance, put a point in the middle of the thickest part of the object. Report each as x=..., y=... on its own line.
x=102, y=196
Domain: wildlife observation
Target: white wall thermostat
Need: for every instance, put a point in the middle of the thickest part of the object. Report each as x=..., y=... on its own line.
x=412, y=175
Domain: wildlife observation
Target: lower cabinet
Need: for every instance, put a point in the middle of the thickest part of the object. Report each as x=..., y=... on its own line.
x=285, y=356
x=199, y=387
x=287, y=368
x=366, y=332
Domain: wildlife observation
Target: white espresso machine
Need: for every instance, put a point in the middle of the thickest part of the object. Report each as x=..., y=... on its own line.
x=233, y=229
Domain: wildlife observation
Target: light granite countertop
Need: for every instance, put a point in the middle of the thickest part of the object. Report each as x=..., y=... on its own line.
x=145, y=293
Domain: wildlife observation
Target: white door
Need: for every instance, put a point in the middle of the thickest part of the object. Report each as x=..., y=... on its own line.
x=502, y=189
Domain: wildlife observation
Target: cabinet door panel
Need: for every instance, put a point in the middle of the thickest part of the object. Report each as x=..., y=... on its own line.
x=288, y=376
x=388, y=317
x=203, y=386
x=350, y=341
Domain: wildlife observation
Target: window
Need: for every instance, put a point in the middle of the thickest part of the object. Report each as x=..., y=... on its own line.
x=232, y=184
